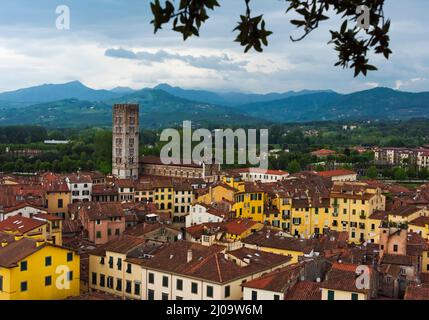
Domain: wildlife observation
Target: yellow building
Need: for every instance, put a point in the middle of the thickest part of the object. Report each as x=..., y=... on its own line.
x=238, y=229
x=217, y=193
x=343, y=284
x=406, y=214
x=116, y=268
x=250, y=202
x=41, y=226
x=353, y=203
x=37, y=270
x=58, y=197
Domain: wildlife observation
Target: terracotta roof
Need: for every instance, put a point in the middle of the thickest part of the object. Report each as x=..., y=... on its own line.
x=103, y=189
x=405, y=211
x=125, y=183
x=20, y=224
x=157, y=161
x=124, y=244
x=212, y=263
x=379, y=215
x=142, y=229
x=101, y=211
x=278, y=280
x=206, y=228
x=397, y=260
x=239, y=226
x=15, y=251
x=48, y=217
x=343, y=277
x=323, y=152
x=420, y=221
x=304, y=290
x=336, y=173
x=417, y=292
x=79, y=178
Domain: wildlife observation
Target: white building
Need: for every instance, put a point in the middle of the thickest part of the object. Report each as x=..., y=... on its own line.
x=80, y=187
x=423, y=159
x=262, y=175
x=23, y=210
x=201, y=213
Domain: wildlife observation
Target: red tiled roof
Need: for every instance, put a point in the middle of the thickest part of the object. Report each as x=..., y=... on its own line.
x=239, y=226
x=20, y=224
x=417, y=292
x=323, y=152
x=278, y=280
x=304, y=290
x=336, y=173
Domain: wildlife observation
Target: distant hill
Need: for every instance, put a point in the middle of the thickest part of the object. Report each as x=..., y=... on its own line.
x=374, y=104
x=229, y=98
x=158, y=109
x=74, y=104
x=53, y=92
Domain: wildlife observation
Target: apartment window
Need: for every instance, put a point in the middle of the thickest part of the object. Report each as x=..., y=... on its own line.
x=179, y=298
x=128, y=286
x=179, y=284
x=117, y=232
x=355, y=296
x=227, y=291
x=395, y=248
x=60, y=203
x=276, y=297
x=110, y=282
x=129, y=268
x=94, y=278
x=254, y=295
x=111, y=262
x=165, y=281
x=150, y=295
x=98, y=222
x=209, y=291
x=48, y=281
x=69, y=256
x=151, y=278
x=98, y=235
x=102, y=280
x=70, y=276
x=1, y=283
x=118, y=284
x=24, y=265
x=194, y=288
x=24, y=286
x=109, y=232
x=137, y=288
x=119, y=264
x=102, y=260
x=331, y=295
x=48, y=261
x=164, y=296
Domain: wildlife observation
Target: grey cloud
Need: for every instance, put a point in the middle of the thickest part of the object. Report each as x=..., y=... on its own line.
x=214, y=62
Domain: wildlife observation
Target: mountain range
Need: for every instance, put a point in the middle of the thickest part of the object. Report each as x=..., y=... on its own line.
x=74, y=104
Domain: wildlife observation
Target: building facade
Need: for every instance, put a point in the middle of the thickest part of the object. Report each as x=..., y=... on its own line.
x=125, y=144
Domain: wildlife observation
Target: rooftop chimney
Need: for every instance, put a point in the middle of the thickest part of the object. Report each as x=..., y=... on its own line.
x=189, y=257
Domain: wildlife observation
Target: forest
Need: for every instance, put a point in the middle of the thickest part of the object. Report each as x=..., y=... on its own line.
x=90, y=148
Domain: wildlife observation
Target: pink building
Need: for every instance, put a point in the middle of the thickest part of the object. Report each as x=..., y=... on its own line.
x=102, y=222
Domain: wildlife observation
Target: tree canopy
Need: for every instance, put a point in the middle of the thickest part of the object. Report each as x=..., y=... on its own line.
x=363, y=29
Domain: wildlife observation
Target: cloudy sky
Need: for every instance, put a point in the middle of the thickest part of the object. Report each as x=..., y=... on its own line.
x=111, y=43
